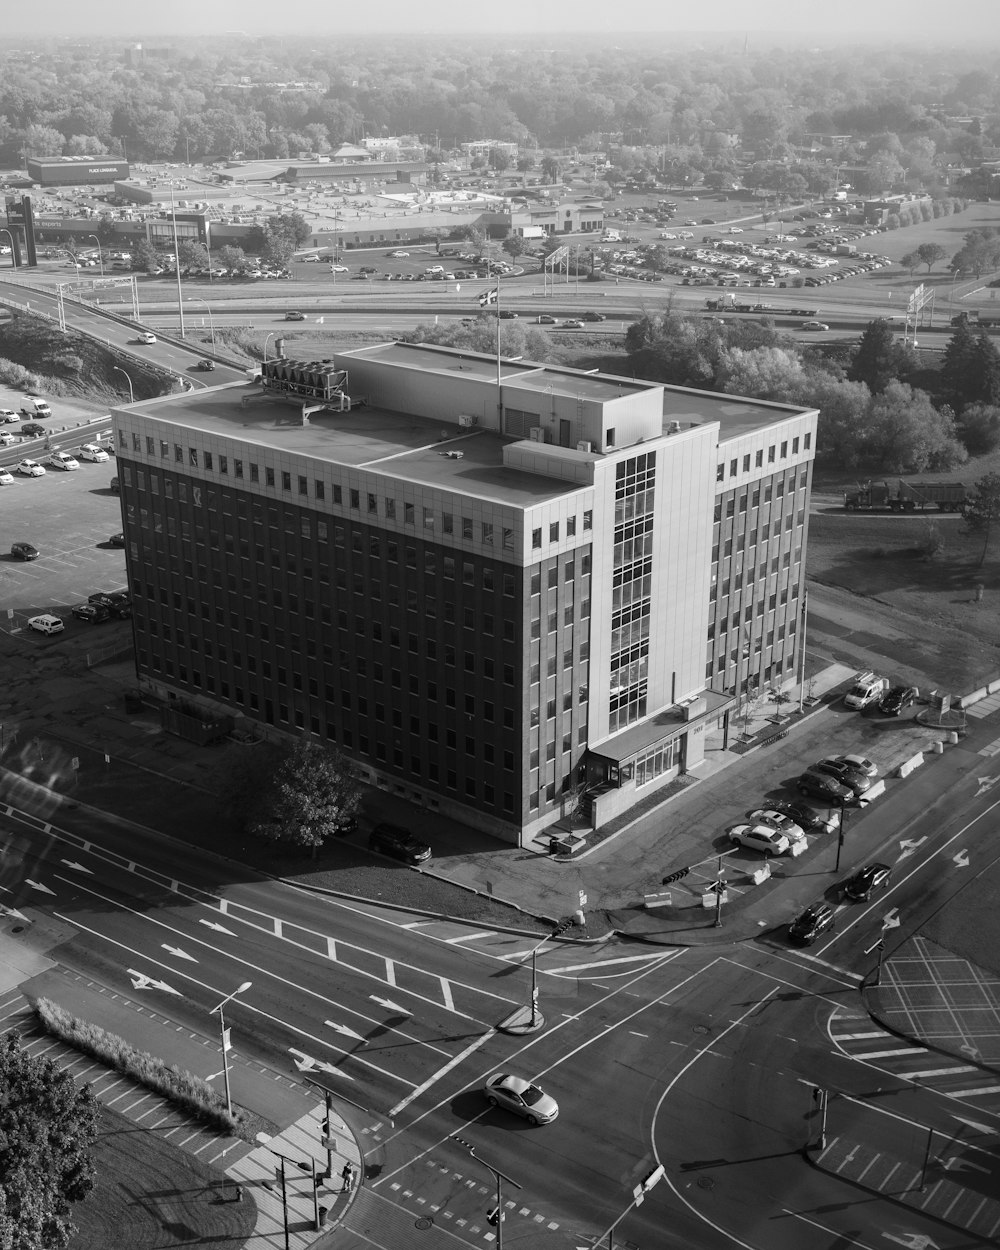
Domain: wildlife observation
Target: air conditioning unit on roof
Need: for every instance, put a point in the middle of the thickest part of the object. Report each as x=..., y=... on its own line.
x=537, y=434
x=583, y=445
x=467, y=422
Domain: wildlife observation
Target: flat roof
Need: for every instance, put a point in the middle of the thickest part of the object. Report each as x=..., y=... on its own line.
x=736, y=416
x=403, y=445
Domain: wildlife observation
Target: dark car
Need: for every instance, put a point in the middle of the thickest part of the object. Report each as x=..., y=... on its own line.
x=91, y=612
x=864, y=883
x=115, y=486
x=31, y=429
x=592, y=316
x=23, y=551
x=398, y=844
x=813, y=922
x=708, y=221
x=896, y=699
x=506, y=314
x=116, y=540
x=804, y=816
x=117, y=602
x=849, y=776
x=207, y=365
x=823, y=786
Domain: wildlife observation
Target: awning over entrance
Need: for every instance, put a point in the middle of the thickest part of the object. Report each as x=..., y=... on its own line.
x=670, y=723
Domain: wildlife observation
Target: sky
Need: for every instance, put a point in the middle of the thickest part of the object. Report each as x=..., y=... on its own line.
x=954, y=21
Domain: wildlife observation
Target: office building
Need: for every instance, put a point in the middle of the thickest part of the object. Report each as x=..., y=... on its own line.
x=500, y=588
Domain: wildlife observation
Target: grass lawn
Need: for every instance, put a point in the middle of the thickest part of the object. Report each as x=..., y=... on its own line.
x=151, y=1194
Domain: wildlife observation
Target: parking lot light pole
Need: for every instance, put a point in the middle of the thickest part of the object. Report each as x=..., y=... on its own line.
x=225, y=1040
x=499, y=1177
x=131, y=393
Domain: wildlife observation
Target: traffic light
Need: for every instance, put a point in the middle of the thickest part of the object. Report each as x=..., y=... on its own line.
x=676, y=876
x=494, y=1217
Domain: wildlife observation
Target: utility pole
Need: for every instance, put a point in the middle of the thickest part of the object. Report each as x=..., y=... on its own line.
x=495, y=1217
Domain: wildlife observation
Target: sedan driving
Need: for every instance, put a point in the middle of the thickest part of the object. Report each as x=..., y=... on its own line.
x=864, y=883
x=813, y=922
x=520, y=1096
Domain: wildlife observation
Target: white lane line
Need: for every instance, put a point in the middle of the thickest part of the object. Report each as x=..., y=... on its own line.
x=446, y=994
x=467, y=937
x=860, y=1037
x=975, y=1093
x=432, y=1080
x=942, y=1071
x=826, y=963
x=605, y=963
x=888, y=1054
x=390, y=973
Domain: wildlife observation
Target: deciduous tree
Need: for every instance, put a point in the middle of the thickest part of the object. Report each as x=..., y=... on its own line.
x=982, y=512
x=930, y=254
x=879, y=359
x=307, y=797
x=905, y=433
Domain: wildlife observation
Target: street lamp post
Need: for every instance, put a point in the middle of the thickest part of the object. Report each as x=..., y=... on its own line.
x=225, y=1043
x=211, y=322
x=131, y=393
x=496, y=1215
x=100, y=254
x=13, y=250
x=266, y=341
x=841, y=825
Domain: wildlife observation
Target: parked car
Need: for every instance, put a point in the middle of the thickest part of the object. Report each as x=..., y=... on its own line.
x=61, y=460
x=868, y=688
x=339, y=269
x=864, y=883
x=515, y=1094
x=781, y=821
x=24, y=551
x=91, y=612
x=6, y=438
x=823, y=786
x=94, y=452
x=30, y=468
x=813, y=922
x=760, y=838
x=397, y=255
x=398, y=844
x=8, y=416
x=897, y=699
x=46, y=624
x=853, y=778
x=6, y=477
x=116, y=540
x=31, y=429
x=860, y=763
x=146, y=337
x=118, y=602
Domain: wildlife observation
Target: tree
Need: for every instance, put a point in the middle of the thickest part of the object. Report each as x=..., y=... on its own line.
x=551, y=169
x=982, y=512
x=979, y=428
x=47, y=1127
x=910, y=261
x=930, y=254
x=905, y=433
x=144, y=257
x=980, y=253
x=307, y=797
x=515, y=246
x=191, y=254
x=233, y=258
x=879, y=359
x=970, y=370
x=499, y=160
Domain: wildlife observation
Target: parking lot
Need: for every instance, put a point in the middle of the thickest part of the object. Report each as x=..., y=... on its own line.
x=68, y=517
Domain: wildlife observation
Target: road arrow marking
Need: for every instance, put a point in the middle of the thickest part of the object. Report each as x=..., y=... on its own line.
x=13, y=912
x=344, y=1030
x=37, y=885
x=389, y=1005
x=891, y=919
x=961, y=860
x=306, y=1063
x=970, y=1050
x=70, y=863
x=913, y=1241
x=176, y=950
x=142, y=982
x=986, y=783
x=219, y=928
x=958, y=1165
x=908, y=846
x=980, y=1128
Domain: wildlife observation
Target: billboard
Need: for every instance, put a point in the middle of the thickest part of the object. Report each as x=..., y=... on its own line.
x=55, y=172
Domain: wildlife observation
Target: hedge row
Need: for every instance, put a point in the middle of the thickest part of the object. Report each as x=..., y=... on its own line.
x=188, y=1092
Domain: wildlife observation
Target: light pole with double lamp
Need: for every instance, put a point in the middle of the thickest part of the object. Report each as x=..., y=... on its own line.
x=131, y=393
x=211, y=322
x=225, y=1038
x=496, y=1216
x=100, y=254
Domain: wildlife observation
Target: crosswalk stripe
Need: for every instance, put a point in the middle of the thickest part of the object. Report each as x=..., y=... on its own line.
x=886, y=1054
x=975, y=1093
x=857, y=1037
x=944, y=1071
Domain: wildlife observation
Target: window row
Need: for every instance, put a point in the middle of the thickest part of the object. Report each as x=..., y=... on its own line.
x=758, y=459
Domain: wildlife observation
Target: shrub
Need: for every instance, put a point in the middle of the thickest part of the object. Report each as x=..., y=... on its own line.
x=185, y=1090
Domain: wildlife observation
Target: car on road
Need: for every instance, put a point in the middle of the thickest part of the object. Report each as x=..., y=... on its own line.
x=544, y=319
x=572, y=324
x=853, y=778
x=8, y=416
x=823, y=786
x=339, y=269
x=506, y=315
x=814, y=921
x=46, y=624
x=398, y=844
x=206, y=365
x=590, y=315
x=760, y=838
x=814, y=325
x=116, y=540
x=781, y=821
x=145, y=337
x=62, y=460
x=864, y=883
x=30, y=468
x=295, y=316
x=118, y=602
x=31, y=429
x=397, y=255
x=91, y=612
x=513, y=1093
x=94, y=452
x=896, y=699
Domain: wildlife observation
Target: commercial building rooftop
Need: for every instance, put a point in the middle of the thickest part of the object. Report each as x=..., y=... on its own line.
x=736, y=416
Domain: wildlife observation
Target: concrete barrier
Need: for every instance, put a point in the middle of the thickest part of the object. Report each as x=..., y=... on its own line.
x=662, y=899
x=966, y=700
x=708, y=899
x=937, y=748
x=910, y=765
x=875, y=791
x=993, y=687
x=798, y=847
x=761, y=874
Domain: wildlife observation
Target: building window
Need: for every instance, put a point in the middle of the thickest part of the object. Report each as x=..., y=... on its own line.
x=254, y=472
x=784, y=449
x=390, y=509
x=286, y=480
x=428, y=518
x=746, y=463
x=268, y=476
x=303, y=485
x=487, y=532
x=407, y=513
x=570, y=526
x=759, y=459
x=720, y=473
x=536, y=539
x=588, y=520
x=807, y=441
x=447, y=523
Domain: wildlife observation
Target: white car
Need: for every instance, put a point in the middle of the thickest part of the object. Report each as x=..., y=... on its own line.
x=814, y=325
x=6, y=477
x=61, y=460
x=860, y=764
x=398, y=255
x=46, y=624
x=339, y=269
x=777, y=820
x=30, y=468
x=520, y=1096
x=6, y=439
x=733, y=230
x=146, y=337
x=760, y=838
x=93, y=451
x=8, y=415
